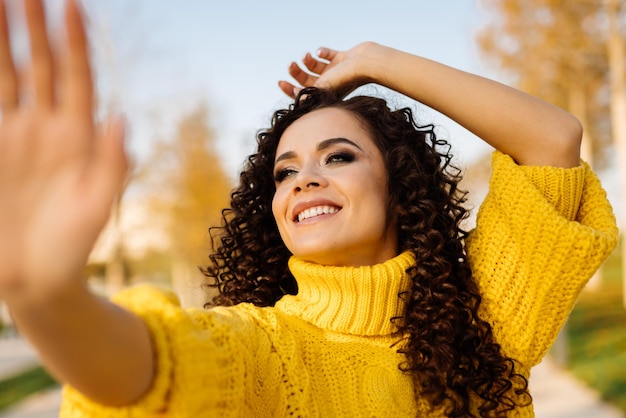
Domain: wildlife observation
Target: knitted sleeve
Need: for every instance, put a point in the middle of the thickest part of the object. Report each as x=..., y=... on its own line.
x=201, y=360
x=540, y=234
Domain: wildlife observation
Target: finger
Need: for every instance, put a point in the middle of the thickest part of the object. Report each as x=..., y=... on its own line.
x=327, y=53
x=289, y=89
x=8, y=74
x=78, y=93
x=314, y=65
x=110, y=163
x=41, y=54
x=302, y=77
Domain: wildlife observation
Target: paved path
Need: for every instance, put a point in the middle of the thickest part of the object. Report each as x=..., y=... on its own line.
x=15, y=356
x=556, y=393
x=41, y=405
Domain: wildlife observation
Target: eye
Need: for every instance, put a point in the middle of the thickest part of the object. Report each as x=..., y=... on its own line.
x=340, y=157
x=281, y=174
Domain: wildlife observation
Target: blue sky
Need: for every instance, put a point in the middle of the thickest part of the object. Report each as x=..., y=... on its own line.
x=156, y=59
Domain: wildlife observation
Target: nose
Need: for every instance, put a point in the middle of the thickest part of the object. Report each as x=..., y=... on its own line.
x=309, y=178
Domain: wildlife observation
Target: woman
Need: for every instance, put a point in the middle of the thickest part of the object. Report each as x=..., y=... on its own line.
x=341, y=252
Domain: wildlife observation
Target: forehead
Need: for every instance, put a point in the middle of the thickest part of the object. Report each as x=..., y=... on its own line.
x=323, y=124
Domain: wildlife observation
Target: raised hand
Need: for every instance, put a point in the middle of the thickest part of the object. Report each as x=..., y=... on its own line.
x=530, y=130
x=343, y=70
x=59, y=172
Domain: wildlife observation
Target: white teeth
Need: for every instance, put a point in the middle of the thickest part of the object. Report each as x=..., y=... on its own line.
x=316, y=211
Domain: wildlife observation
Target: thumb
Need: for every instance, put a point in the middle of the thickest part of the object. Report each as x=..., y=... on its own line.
x=111, y=162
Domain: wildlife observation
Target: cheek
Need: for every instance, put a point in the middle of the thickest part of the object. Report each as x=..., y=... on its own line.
x=278, y=207
x=383, y=202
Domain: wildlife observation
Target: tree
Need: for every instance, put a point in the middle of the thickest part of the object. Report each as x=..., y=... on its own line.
x=570, y=53
x=189, y=188
x=615, y=46
x=117, y=46
x=554, y=49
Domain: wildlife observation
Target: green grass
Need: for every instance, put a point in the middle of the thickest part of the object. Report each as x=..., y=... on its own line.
x=597, y=336
x=16, y=388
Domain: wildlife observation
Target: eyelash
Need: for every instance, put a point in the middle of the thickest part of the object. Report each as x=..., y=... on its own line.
x=282, y=174
x=333, y=158
x=342, y=156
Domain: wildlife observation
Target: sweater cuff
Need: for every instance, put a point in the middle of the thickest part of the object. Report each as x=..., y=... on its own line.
x=142, y=301
x=561, y=187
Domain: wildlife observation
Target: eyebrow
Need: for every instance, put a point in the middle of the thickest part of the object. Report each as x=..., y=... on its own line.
x=327, y=143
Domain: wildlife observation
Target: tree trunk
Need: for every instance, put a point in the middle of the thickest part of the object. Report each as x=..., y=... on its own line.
x=187, y=283
x=115, y=275
x=617, y=74
x=578, y=107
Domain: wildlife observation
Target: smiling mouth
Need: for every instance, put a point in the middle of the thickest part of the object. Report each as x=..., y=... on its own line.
x=316, y=211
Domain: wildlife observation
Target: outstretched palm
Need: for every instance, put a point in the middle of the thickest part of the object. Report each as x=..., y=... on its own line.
x=58, y=173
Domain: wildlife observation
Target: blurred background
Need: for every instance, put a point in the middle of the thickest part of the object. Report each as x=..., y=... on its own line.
x=197, y=79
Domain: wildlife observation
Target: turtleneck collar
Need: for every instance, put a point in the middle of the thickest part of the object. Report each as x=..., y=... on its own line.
x=352, y=300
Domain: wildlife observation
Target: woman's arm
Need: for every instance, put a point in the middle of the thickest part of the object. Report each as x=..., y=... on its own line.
x=530, y=130
x=59, y=175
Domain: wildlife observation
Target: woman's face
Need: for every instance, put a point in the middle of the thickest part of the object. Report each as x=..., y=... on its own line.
x=331, y=192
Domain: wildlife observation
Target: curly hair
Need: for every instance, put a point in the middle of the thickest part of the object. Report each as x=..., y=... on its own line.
x=450, y=352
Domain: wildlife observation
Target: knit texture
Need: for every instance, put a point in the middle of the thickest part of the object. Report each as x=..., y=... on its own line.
x=534, y=249
x=327, y=352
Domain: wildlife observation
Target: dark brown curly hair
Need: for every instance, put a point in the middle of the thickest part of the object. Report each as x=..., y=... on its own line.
x=450, y=351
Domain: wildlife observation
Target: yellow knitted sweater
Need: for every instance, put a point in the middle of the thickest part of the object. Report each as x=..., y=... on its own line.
x=326, y=352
